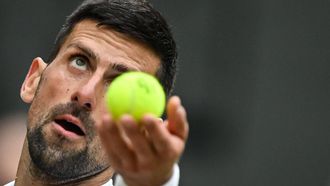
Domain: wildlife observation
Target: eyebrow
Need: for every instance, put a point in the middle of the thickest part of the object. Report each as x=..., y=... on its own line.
x=115, y=70
x=120, y=68
x=86, y=50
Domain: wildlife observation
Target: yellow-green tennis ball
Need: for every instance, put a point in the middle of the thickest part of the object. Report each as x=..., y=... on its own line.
x=135, y=93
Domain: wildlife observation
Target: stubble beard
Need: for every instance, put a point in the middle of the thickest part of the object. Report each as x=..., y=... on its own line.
x=55, y=164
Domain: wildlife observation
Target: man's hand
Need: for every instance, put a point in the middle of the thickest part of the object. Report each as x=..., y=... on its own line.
x=145, y=154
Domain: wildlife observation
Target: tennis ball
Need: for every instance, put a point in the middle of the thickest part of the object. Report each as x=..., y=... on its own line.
x=135, y=93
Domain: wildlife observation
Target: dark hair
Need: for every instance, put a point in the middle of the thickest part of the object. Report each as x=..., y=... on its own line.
x=135, y=18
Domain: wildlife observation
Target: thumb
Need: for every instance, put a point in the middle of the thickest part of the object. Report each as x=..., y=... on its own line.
x=177, y=119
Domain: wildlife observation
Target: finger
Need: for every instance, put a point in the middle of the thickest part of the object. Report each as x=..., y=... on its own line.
x=102, y=129
x=177, y=118
x=158, y=134
x=173, y=103
x=140, y=144
x=114, y=140
x=180, y=127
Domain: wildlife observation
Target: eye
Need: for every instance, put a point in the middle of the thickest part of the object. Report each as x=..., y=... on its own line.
x=109, y=79
x=79, y=63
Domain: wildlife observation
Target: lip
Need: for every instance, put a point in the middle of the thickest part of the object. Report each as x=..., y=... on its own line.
x=68, y=134
x=73, y=120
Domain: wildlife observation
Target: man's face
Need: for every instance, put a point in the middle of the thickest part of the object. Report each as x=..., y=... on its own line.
x=70, y=99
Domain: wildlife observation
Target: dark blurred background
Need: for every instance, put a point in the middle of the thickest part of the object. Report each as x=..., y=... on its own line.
x=253, y=75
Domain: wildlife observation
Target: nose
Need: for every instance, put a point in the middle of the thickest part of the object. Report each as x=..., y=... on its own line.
x=85, y=95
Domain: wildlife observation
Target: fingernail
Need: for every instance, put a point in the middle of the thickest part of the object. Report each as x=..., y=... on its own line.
x=177, y=98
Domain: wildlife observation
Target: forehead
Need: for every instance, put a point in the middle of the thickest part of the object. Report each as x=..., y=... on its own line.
x=112, y=47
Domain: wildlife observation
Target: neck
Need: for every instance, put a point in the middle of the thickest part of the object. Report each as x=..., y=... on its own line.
x=29, y=174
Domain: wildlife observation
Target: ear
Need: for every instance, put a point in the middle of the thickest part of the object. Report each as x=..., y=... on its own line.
x=30, y=84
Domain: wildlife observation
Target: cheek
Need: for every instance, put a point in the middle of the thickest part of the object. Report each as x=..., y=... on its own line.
x=53, y=89
x=56, y=87
x=101, y=108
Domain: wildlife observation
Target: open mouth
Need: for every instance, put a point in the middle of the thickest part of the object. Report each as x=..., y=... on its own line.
x=71, y=127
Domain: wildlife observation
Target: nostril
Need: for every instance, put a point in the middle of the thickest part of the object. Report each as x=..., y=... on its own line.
x=88, y=105
x=83, y=101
